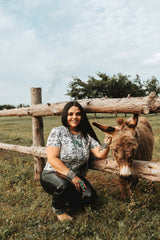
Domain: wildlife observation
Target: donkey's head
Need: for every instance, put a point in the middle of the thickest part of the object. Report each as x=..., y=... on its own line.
x=124, y=143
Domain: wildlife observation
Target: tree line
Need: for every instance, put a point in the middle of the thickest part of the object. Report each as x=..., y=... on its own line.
x=117, y=86
x=8, y=106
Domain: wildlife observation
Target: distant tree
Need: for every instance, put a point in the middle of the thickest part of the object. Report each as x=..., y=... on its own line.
x=77, y=89
x=93, y=88
x=21, y=105
x=117, y=86
x=138, y=87
x=6, y=106
x=96, y=88
x=152, y=85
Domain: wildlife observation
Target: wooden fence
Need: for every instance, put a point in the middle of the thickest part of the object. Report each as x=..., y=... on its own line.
x=141, y=105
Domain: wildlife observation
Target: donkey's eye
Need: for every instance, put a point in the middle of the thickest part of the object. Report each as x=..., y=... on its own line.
x=130, y=159
x=115, y=151
x=133, y=153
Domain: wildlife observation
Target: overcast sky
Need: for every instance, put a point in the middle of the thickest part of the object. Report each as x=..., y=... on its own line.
x=45, y=43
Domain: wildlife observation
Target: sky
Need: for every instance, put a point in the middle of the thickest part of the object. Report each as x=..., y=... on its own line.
x=46, y=43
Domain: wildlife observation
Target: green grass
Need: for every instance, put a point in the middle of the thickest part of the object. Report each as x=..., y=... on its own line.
x=26, y=209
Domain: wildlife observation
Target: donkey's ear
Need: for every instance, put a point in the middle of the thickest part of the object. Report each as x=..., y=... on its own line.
x=120, y=121
x=133, y=122
x=104, y=128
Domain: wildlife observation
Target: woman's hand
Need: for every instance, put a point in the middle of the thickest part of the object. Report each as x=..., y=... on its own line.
x=79, y=184
x=102, y=151
x=107, y=139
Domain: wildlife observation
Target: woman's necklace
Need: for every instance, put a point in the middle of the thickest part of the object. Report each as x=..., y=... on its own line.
x=74, y=136
x=76, y=142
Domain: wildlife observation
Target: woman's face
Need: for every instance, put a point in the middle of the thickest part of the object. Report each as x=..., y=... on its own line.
x=74, y=117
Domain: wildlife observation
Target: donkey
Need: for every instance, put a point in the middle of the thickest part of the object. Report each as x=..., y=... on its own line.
x=131, y=140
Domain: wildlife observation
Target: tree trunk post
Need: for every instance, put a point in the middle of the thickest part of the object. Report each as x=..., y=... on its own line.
x=37, y=133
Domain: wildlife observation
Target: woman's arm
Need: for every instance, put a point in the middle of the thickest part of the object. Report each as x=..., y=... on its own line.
x=102, y=151
x=54, y=161
x=59, y=166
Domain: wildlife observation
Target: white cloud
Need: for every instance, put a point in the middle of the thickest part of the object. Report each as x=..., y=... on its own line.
x=153, y=60
x=61, y=39
x=6, y=21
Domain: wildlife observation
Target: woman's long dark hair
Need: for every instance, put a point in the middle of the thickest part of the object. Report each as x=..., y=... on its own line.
x=84, y=127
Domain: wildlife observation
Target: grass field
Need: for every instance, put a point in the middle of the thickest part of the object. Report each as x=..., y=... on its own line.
x=25, y=209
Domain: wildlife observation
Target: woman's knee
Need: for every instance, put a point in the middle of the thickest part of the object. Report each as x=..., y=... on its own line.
x=52, y=182
x=90, y=194
x=63, y=185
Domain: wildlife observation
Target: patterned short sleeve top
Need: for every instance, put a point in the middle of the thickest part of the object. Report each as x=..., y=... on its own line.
x=74, y=149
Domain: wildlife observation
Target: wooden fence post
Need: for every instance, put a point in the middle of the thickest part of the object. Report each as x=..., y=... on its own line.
x=37, y=133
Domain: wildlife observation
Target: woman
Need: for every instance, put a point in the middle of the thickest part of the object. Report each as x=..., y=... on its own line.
x=68, y=151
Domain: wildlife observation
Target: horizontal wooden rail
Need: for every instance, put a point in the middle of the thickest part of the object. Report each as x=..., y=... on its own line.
x=144, y=105
x=143, y=169
x=33, y=150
